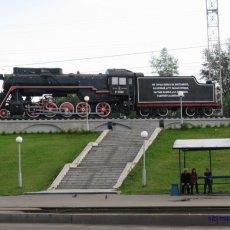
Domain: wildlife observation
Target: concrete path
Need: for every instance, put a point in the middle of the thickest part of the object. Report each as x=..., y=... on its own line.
x=113, y=200
x=117, y=210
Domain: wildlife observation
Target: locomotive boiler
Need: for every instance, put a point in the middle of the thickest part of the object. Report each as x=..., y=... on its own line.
x=118, y=90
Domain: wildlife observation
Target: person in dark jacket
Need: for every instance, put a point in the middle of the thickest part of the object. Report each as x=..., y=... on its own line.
x=208, y=181
x=193, y=180
x=185, y=181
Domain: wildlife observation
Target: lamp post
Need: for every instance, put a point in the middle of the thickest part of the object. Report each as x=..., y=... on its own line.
x=144, y=134
x=221, y=91
x=181, y=94
x=19, y=141
x=86, y=98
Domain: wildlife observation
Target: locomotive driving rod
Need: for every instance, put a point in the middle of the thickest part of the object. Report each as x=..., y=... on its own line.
x=57, y=112
x=54, y=112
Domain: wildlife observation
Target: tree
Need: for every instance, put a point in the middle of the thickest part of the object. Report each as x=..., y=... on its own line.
x=165, y=65
x=72, y=98
x=216, y=57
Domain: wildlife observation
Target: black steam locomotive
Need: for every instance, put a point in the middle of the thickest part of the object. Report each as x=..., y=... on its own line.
x=118, y=90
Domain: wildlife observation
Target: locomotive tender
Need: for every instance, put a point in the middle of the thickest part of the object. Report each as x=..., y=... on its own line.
x=118, y=90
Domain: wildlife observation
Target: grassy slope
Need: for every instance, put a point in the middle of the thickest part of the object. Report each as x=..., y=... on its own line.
x=162, y=162
x=42, y=155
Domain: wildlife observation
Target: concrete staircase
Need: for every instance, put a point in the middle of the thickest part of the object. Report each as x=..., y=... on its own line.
x=103, y=165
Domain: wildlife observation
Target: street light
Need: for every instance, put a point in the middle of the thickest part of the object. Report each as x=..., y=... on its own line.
x=19, y=140
x=86, y=98
x=144, y=134
x=181, y=94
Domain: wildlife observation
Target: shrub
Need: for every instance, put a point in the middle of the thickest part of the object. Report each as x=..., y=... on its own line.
x=184, y=126
x=69, y=131
x=76, y=130
x=170, y=127
x=14, y=132
x=25, y=132
x=50, y=132
x=208, y=126
x=199, y=126
x=193, y=127
x=222, y=125
x=3, y=133
x=62, y=131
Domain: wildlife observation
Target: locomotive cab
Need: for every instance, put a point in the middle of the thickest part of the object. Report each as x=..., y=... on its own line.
x=118, y=81
x=122, y=84
x=118, y=86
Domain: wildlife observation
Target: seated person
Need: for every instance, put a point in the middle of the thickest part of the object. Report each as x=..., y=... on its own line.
x=194, y=179
x=208, y=181
x=185, y=180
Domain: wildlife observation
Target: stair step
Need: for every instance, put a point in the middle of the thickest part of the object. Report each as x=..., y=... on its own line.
x=103, y=165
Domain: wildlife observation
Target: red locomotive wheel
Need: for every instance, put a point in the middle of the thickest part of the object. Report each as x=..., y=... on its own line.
x=81, y=109
x=66, y=109
x=3, y=113
x=103, y=109
x=32, y=112
x=51, y=107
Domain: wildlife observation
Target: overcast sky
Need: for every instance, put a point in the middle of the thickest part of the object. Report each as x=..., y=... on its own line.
x=95, y=35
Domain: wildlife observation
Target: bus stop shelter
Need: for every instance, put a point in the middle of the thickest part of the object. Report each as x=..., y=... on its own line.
x=200, y=145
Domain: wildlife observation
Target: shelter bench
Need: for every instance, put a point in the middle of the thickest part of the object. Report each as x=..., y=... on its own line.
x=191, y=145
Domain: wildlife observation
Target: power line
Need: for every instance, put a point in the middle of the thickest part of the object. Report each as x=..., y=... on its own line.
x=117, y=46
x=98, y=20
x=145, y=67
x=100, y=57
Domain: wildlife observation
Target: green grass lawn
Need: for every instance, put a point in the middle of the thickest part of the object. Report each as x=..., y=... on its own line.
x=43, y=157
x=162, y=162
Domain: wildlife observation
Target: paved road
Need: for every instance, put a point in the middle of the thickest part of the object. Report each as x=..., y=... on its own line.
x=113, y=200
x=96, y=227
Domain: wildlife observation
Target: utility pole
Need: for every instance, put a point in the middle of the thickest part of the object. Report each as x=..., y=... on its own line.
x=213, y=36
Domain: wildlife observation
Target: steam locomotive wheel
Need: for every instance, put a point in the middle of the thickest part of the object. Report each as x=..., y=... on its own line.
x=208, y=111
x=143, y=113
x=163, y=111
x=81, y=109
x=103, y=109
x=3, y=113
x=51, y=107
x=66, y=109
x=190, y=111
x=32, y=112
